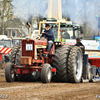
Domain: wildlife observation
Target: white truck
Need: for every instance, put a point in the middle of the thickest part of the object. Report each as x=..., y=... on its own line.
x=5, y=48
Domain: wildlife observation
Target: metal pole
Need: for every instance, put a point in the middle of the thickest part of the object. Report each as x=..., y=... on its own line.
x=49, y=8
x=54, y=9
x=59, y=10
x=97, y=26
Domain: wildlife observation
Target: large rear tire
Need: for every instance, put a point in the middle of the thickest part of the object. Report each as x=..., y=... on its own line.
x=89, y=74
x=9, y=72
x=75, y=65
x=46, y=73
x=13, y=53
x=12, y=57
x=60, y=62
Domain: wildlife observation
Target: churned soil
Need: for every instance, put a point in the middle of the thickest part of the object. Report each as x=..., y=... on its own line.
x=50, y=91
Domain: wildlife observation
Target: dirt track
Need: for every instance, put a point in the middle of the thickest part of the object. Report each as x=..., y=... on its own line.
x=51, y=91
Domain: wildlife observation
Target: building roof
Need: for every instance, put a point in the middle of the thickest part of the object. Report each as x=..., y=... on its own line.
x=15, y=23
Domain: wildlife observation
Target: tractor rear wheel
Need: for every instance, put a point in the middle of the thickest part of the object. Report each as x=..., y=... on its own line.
x=60, y=62
x=12, y=57
x=75, y=65
x=46, y=73
x=89, y=74
x=9, y=72
x=13, y=53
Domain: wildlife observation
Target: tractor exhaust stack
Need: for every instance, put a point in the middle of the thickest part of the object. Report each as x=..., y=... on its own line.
x=29, y=29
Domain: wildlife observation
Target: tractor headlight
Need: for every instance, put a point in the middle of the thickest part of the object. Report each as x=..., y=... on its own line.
x=56, y=43
x=59, y=43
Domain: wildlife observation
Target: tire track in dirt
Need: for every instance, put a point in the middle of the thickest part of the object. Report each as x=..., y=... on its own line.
x=50, y=91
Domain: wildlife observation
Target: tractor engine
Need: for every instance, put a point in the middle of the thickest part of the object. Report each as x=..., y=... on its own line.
x=32, y=52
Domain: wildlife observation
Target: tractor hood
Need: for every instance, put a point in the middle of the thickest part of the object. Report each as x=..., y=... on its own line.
x=40, y=42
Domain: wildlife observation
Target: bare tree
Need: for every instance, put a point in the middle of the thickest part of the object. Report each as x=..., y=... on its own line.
x=5, y=11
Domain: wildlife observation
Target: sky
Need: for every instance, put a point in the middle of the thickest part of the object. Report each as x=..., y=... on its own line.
x=26, y=8
x=82, y=11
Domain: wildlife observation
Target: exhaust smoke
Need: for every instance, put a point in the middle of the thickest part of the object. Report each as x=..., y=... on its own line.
x=82, y=11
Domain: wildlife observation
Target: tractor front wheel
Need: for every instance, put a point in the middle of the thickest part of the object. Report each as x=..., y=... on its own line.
x=9, y=72
x=46, y=73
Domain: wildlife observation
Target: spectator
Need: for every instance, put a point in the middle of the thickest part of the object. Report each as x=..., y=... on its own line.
x=78, y=43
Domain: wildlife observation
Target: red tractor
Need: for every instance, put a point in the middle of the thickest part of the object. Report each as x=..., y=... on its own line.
x=31, y=60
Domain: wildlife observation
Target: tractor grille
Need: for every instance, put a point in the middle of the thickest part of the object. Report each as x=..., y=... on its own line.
x=29, y=53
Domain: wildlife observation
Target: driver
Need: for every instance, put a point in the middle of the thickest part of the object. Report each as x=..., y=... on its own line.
x=66, y=35
x=49, y=35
